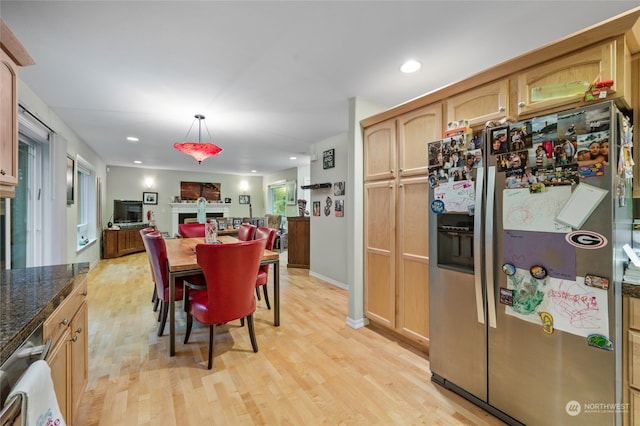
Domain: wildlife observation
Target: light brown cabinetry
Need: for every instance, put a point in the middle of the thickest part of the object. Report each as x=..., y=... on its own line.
x=12, y=56
x=68, y=358
x=298, y=251
x=396, y=264
x=481, y=104
x=119, y=242
x=563, y=81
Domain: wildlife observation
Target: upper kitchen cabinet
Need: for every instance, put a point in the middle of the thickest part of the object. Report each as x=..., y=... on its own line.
x=415, y=129
x=380, y=151
x=564, y=80
x=12, y=56
x=481, y=104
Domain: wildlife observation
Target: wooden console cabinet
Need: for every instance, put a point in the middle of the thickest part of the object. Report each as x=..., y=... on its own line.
x=118, y=242
x=298, y=236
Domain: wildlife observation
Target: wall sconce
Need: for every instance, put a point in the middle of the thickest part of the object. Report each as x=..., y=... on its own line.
x=148, y=182
x=244, y=186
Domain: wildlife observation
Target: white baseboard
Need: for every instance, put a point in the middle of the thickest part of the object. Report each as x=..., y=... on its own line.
x=357, y=323
x=329, y=280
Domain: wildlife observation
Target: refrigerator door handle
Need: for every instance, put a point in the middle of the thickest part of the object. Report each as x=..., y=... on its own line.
x=488, y=245
x=477, y=244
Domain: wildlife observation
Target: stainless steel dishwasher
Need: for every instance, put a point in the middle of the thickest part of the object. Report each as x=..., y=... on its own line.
x=31, y=350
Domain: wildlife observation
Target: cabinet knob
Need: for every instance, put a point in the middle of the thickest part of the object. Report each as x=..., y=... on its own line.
x=74, y=338
x=64, y=322
x=79, y=330
x=2, y=172
x=84, y=293
x=401, y=185
x=400, y=169
x=521, y=104
x=502, y=109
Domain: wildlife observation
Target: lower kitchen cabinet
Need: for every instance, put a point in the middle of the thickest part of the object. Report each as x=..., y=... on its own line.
x=68, y=357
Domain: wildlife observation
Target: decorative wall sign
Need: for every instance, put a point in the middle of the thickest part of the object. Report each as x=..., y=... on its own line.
x=329, y=159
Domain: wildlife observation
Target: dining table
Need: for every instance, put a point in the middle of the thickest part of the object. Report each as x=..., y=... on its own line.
x=181, y=257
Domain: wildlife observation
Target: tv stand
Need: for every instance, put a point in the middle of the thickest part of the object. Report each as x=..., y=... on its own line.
x=119, y=242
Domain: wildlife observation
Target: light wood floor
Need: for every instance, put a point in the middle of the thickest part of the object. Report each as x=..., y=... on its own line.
x=312, y=370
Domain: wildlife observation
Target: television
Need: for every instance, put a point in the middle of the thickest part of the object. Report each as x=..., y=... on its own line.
x=127, y=211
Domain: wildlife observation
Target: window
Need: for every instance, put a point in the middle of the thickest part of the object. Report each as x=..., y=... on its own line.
x=86, y=193
x=278, y=198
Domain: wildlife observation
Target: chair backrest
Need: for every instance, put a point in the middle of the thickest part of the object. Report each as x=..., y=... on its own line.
x=246, y=232
x=143, y=232
x=274, y=221
x=190, y=230
x=157, y=252
x=266, y=234
x=230, y=272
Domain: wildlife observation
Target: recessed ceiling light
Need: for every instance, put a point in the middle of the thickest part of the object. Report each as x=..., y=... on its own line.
x=292, y=158
x=254, y=171
x=137, y=161
x=132, y=139
x=410, y=66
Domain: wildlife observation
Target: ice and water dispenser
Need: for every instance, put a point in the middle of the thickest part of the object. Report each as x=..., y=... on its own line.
x=455, y=241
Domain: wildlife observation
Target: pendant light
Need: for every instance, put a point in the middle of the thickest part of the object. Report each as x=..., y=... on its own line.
x=198, y=150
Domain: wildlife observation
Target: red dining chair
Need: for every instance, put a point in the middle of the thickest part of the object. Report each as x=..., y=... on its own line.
x=157, y=251
x=154, y=298
x=246, y=232
x=191, y=230
x=230, y=275
x=263, y=272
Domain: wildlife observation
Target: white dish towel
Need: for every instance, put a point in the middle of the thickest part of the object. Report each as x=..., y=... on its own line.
x=39, y=403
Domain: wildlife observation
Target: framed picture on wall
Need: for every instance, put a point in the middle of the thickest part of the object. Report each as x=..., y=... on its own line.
x=291, y=192
x=70, y=179
x=150, y=198
x=244, y=199
x=329, y=159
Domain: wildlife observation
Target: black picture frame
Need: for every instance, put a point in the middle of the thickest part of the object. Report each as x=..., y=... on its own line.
x=244, y=199
x=149, y=198
x=71, y=163
x=329, y=159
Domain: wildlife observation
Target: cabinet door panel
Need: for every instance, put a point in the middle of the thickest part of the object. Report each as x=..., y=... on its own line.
x=564, y=81
x=59, y=360
x=488, y=102
x=79, y=357
x=379, y=279
x=9, y=125
x=415, y=129
x=380, y=150
x=413, y=268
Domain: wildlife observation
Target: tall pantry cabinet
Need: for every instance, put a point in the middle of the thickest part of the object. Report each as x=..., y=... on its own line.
x=396, y=222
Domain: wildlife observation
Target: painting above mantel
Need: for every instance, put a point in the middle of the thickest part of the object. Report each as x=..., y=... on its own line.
x=195, y=190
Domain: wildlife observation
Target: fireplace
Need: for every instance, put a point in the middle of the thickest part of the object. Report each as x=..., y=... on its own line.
x=181, y=211
x=183, y=216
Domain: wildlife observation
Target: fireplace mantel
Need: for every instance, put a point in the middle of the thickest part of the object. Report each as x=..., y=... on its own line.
x=177, y=208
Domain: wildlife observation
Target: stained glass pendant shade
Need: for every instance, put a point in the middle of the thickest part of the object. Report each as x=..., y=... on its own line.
x=198, y=150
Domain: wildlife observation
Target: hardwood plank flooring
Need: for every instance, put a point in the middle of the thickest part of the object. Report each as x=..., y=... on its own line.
x=312, y=370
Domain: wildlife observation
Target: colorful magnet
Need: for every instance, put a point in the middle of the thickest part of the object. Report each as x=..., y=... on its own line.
x=586, y=240
x=597, y=282
x=437, y=206
x=506, y=296
x=508, y=269
x=538, y=272
x=547, y=322
x=600, y=341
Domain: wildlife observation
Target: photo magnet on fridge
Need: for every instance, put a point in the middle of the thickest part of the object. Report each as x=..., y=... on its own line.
x=506, y=296
x=597, y=282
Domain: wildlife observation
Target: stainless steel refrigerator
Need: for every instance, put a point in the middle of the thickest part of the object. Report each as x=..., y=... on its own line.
x=526, y=264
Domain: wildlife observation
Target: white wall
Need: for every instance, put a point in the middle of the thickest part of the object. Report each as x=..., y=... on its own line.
x=359, y=109
x=74, y=146
x=128, y=183
x=329, y=233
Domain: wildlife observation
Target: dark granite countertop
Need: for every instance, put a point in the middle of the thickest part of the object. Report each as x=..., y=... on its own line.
x=28, y=296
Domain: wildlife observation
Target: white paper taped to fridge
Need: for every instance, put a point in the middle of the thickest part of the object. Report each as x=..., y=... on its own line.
x=583, y=202
x=457, y=196
x=524, y=211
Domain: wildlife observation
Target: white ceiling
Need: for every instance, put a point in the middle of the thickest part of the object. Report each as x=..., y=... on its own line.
x=272, y=77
